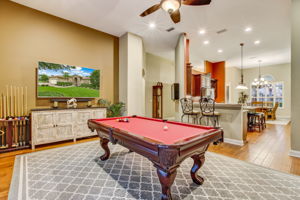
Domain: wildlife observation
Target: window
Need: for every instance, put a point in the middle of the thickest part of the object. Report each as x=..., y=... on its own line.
x=273, y=94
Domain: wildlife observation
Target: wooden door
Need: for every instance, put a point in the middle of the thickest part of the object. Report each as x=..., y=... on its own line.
x=43, y=129
x=64, y=125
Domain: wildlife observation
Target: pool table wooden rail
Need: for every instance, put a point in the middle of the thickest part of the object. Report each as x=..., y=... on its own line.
x=166, y=158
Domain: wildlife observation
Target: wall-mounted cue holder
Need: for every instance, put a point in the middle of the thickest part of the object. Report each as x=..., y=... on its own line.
x=15, y=134
x=14, y=119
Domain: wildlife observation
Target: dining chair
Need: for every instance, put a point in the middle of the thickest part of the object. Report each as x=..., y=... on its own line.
x=272, y=112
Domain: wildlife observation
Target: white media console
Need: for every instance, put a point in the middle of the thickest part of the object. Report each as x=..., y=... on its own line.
x=54, y=125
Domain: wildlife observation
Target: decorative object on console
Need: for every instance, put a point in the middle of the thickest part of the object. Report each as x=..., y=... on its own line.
x=55, y=104
x=65, y=81
x=89, y=104
x=71, y=103
x=242, y=85
x=157, y=101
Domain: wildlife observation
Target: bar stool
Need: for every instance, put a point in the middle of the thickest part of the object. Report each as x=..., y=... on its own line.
x=256, y=120
x=207, y=107
x=188, y=110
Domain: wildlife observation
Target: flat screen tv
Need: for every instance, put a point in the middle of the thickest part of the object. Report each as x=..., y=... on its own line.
x=66, y=81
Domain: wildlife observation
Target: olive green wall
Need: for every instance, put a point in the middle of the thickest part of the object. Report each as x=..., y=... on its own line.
x=28, y=36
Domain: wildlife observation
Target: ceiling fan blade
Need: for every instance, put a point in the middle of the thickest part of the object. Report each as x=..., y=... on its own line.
x=175, y=16
x=150, y=10
x=196, y=2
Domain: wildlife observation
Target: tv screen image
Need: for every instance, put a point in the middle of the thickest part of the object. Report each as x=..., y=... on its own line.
x=66, y=81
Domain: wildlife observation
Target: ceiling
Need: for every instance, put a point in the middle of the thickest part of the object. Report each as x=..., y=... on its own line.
x=269, y=19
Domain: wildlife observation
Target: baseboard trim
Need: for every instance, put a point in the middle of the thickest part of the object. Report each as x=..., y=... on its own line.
x=294, y=153
x=233, y=141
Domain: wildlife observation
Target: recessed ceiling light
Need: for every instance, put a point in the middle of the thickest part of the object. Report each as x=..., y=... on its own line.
x=202, y=31
x=206, y=42
x=248, y=29
x=257, y=42
x=152, y=25
x=220, y=50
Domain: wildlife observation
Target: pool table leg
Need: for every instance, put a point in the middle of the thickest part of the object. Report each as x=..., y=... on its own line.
x=166, y=179
x=104, y=145
x=199, y=160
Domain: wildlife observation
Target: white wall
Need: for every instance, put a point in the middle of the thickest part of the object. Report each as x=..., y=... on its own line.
x=232, y=78
x=280, y=73
x=132, y=82
x=159, y=69
x=123, y=65
x=295, y=140
x=179, y=72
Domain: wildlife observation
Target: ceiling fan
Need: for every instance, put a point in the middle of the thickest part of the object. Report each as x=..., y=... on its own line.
x=172, y=7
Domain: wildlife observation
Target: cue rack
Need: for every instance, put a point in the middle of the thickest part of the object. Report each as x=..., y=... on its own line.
x=15, y=128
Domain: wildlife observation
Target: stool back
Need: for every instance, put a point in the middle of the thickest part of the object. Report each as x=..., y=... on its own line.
x=207, y=105
x=186, y=105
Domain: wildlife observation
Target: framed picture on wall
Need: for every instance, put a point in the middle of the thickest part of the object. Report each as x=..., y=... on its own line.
x=66, y=81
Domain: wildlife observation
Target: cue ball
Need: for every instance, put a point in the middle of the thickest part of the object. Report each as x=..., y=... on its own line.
x=165, y=128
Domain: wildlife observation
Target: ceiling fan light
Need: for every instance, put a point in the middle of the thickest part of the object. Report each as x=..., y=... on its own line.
x=171, y=5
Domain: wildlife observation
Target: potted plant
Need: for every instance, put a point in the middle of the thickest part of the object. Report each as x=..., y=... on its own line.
x=113, y=109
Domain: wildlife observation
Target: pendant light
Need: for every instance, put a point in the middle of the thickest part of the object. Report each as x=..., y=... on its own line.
x=242, y=85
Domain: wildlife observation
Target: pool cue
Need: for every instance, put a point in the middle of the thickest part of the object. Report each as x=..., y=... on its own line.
x=15, y=133
x=24, y=132
x=21, y=101
x=12, y=113
x=15, y=101
x=27, y=131
x=20, y=132
x=26, y=101
x=2, y=132
x=1, y=107
x=7, y=101
x=4, y=107
x=18, y=101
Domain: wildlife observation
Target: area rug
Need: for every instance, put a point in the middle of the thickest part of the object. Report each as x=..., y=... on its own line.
x=75, y=172
x=283, y=122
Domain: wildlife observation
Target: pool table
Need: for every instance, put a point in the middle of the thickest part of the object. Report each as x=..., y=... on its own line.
x=165, y=143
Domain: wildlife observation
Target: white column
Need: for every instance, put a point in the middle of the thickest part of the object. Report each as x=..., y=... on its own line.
x=179, y=72
x=295, y=138
x=131, y=80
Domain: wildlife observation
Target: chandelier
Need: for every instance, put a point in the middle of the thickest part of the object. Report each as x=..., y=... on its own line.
x=260, y=82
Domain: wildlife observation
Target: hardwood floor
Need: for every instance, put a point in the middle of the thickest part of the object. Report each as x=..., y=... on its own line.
x=269, y=148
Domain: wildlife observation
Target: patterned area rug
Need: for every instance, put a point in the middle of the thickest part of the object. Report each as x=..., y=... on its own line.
x=75, y=172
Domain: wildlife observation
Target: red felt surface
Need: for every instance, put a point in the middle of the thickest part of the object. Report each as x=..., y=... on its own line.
x=153, y=129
